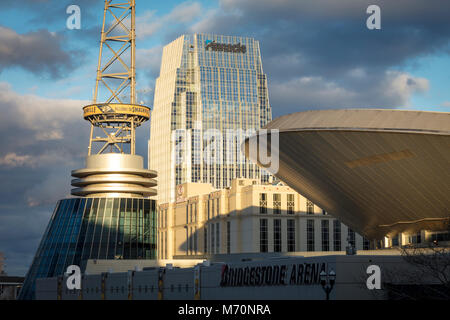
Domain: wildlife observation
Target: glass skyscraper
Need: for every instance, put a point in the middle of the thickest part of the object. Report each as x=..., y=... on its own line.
x=211, y=93
x=93, y=228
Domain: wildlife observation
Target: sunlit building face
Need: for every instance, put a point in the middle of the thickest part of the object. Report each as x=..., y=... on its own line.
x=210, y=94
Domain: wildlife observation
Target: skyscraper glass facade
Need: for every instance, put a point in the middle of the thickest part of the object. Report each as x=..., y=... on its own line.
x=93, y=228
x=211, y=93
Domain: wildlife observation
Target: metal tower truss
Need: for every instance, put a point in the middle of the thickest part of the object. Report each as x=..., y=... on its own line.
x=113, y=169
x=114, y=121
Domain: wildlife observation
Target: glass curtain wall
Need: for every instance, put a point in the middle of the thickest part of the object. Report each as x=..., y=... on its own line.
x=93, y=228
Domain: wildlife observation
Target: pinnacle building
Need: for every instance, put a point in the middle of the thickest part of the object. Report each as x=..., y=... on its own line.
x=211, y=93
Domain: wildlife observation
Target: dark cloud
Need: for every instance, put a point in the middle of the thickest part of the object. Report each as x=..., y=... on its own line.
x=42, y=141
x=51, y=15
x=21, y=229
x=319, y=54
x=40, y=52
x=48, y=11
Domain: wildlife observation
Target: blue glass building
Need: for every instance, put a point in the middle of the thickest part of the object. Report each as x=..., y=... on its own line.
x=93, y=228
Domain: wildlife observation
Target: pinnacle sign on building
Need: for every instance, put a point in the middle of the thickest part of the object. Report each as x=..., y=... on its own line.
x=224, y=47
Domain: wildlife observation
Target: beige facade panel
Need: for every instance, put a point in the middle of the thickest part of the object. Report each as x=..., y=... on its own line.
x=204, y=222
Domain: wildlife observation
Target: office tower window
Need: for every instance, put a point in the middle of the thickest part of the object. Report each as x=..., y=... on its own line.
x=290, y=235
x=366, y=244
x=395, y=240
x=165, y=218
x=228, y=237
x=263, y=203
x=161, y=245
x=309, y=207
x=195, y=240
x=277, y=235
x=325, y=235
x=263, y=236
x=218, y=206
x=336, y=235
x=213, y=248
x=290, y=203
x=218, y=237
x=440, y=236
x=161, y=242
x=205, y=239
x=165, y=245
x=310, y=235
x=276, y=203
x=195, y=212
x=351, y=237
x=191, y=241
x=416, y=238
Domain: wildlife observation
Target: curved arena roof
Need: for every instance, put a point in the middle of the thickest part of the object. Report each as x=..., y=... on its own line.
x=379, y=171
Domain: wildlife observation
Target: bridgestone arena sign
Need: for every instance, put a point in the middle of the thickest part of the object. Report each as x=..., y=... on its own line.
x=214, y=46
x=272, y=275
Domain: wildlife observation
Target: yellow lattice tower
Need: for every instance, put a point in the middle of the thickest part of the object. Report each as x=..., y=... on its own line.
x=114, y=118
x=112, y=170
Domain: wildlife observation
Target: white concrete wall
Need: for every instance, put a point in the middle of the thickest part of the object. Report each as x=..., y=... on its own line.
x=350, y=282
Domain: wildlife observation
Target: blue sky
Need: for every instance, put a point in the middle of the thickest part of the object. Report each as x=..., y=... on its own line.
x=317, y=55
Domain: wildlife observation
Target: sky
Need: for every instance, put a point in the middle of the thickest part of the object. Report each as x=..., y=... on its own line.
x=317, y=54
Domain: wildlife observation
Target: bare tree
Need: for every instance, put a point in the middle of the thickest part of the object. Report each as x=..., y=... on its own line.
x=426, y=274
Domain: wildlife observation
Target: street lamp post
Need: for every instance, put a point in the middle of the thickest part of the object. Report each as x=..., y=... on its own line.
x=327, y=281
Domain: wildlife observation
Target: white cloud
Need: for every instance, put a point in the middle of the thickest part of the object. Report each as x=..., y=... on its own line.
x=40, y=51
x=401, y=86
x=149, y=23
x=394, y=89
x=357, y=73
x=208, y=21
x=185, y=12
x=149, y=59
x=13, y=160
x=46, y=118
